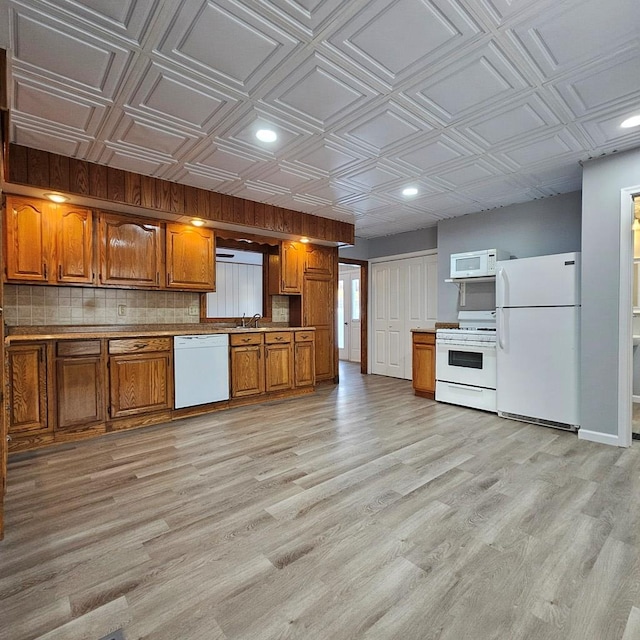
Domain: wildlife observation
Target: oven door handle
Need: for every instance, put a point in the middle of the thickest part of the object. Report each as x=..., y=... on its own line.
x=467, y=387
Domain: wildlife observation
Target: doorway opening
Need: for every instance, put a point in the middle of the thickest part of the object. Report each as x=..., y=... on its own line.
x=351, y=312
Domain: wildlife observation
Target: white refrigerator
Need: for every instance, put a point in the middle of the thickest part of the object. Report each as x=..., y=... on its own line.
x=538, y=339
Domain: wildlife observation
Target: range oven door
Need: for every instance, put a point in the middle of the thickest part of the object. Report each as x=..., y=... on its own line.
x=467, y=363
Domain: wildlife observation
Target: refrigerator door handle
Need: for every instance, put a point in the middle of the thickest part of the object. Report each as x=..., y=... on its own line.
x=503, y=289
x=500, y=328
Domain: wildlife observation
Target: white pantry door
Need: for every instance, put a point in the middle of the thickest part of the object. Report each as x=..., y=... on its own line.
x=404, y=297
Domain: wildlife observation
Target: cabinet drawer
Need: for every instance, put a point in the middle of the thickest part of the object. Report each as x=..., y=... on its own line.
x=277, y=337
x=78, y=348
x=424, y=338
x=244, y=339
x=304, y=336
x=139, y=345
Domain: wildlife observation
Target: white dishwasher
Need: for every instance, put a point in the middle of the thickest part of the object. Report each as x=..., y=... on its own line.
x=201, y=369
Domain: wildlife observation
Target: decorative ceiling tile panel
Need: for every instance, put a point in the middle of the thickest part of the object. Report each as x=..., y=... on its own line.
x=387, y=126
x=82, y=60
x=516, y=121
x=164, y=94
x=48, y=104
x=319, y=92
x=127, y=18
x=34, y=135
x=482, y=77
x=554, y=146
x=433, y=154
x=595, y=27
x=114, y=156
x=603, y=86
x=227, y=42
x=427, y=30
x=326, y=157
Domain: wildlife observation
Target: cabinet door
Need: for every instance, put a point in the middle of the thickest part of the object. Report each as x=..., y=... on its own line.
x=247, y=371
x=26, y=240
x=278, y=367
x=304, y=364
x=424, y=367
x=131, y=251
x=139, y=383
x=74, y=245
x=320, y=260
x=319, y=312
x=27, y=366
x=190, y=257
x=79, y=387
x=291, y=266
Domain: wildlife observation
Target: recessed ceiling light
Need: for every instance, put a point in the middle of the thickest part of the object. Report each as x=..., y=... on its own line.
x=410, y=191
x=56, y=197
x=304, y=239
x=266, y=135
x=633, y=121
x=196, y=222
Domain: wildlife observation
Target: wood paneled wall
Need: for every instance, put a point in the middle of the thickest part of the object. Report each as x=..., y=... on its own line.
x=32, y=167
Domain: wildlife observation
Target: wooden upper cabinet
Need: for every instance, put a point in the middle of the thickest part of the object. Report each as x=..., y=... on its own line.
x=74, y=245
x=26, y=239
x=190, y=257
x=50, y=243
x=291, y=265
x=130, y=252
x=320, y=260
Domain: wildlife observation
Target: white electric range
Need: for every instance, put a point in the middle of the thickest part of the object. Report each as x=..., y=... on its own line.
x=466, y=361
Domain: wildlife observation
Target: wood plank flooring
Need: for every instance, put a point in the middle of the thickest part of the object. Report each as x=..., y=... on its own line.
x=359, y=512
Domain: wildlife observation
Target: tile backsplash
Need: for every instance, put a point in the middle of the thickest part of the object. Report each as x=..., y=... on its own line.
x=31, y=305
x=27, y=305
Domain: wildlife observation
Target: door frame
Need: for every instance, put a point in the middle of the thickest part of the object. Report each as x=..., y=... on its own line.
x=364, y=307
x=625, y=316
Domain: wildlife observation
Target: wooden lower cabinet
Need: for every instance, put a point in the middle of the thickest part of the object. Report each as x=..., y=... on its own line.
x=247, y=365
x=304, y=357
x=79, y=385
x=28, y=389
x=424, y=364
x=140, y=376
x=278, y=364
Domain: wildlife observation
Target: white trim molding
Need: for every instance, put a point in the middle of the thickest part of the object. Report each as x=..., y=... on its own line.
x=625, y=323
x=601, y=438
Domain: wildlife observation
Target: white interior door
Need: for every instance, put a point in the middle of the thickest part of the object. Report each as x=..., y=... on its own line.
x=404, y=295
x=348, y=330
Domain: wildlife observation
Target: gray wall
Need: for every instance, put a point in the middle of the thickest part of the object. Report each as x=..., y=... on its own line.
x=602, y=181
x=358, y=251
x=398, y=244
x=534, y=228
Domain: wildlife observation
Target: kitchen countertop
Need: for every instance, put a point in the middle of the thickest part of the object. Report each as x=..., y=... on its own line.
x=85, y=332
x=423, y=330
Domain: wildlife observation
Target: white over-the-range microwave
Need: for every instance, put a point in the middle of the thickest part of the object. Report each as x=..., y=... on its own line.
x=476, y=264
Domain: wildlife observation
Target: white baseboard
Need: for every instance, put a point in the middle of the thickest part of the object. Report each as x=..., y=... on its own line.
x=602, y=438
x=636, y=398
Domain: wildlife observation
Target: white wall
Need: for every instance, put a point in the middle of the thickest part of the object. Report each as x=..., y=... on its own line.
x=602, y=182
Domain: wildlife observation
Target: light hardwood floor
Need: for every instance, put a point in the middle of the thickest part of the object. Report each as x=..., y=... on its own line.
x=359, y=512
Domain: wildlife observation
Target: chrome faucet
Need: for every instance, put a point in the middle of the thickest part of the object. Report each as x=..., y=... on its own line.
x=254, y=319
